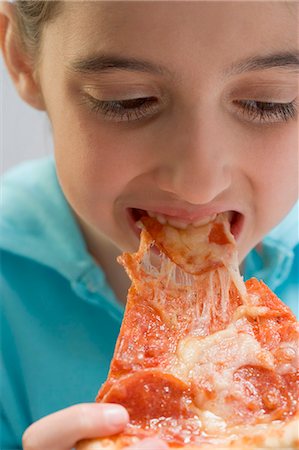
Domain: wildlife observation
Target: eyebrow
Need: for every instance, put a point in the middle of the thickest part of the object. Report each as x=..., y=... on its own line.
x=107, y=63
x=284, y=60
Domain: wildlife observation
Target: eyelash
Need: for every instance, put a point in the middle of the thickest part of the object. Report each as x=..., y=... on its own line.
x=125, y=110
x=267, y=112
x=137, y=109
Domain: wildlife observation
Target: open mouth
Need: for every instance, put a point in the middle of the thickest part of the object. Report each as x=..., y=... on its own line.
x=235, y=218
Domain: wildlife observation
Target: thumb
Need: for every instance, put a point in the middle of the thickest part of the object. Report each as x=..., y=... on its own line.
x=61, y=430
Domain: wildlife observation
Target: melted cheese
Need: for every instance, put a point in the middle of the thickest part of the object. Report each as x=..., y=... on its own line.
x=212, y=361
x=227, y=349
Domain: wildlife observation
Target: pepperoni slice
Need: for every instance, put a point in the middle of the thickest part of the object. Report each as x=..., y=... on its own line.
x=279, y=324
x=145, y=340
x=267, y=298
x=158, y=404
x=149, y=396
x=265, y=392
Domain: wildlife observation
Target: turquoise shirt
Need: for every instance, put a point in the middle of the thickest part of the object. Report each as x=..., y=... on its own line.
x=60, y=318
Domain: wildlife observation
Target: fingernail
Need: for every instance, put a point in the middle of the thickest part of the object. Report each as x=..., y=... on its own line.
x=116, y=416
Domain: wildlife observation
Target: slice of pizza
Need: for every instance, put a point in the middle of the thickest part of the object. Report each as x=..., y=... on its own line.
x=203, y=360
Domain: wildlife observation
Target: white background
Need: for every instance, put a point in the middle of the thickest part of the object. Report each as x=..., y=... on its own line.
x=24, y=132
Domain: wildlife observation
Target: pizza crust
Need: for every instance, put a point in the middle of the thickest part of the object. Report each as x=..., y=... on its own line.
x=278, y=435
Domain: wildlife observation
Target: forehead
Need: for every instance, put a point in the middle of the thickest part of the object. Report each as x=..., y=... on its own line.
x=175, y=32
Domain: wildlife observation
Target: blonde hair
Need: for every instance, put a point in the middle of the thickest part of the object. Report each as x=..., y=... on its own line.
x=30, y=19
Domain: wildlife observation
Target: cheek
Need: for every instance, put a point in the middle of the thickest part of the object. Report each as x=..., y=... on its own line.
x=95, y=162
x=275, y=175
x=90, y=174
x=280, y=162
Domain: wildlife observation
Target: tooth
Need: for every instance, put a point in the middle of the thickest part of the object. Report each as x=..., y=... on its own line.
x=161, y=219
x=177, y=224
x=204, y=220
x=139, y=224
x=181, y=224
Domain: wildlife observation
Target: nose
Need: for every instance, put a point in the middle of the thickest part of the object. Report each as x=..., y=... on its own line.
x=195, y=166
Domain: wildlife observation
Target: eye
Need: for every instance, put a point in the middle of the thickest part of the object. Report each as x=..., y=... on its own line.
x=267, y=112
x=125, y=110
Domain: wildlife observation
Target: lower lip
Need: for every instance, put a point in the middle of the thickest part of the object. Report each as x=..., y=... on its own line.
x=235, y=226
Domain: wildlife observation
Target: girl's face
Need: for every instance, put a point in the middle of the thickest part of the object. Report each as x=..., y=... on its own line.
x=180, y=109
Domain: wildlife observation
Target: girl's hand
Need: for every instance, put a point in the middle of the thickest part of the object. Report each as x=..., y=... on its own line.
x=63, y=429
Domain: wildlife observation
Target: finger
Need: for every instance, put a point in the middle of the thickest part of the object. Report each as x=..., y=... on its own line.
x=61, y=430
x=149, y=444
